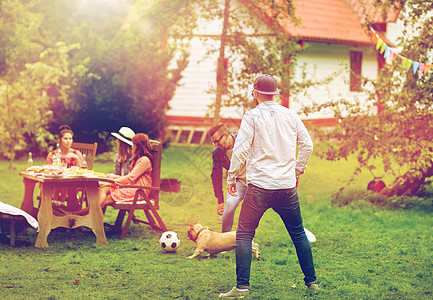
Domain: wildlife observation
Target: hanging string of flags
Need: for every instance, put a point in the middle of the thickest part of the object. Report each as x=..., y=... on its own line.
x=390, y=56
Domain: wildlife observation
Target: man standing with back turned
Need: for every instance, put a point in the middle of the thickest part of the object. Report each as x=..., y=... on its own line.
x=267, y=141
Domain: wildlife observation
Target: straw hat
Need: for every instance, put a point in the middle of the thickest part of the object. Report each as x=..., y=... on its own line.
x=125, y=134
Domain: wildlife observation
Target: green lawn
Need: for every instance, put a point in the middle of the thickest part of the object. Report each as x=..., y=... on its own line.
x=361, y=252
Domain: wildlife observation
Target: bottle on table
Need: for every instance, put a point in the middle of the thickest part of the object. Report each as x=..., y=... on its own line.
x=30, y=160
x=57, y=156
x=84, y=164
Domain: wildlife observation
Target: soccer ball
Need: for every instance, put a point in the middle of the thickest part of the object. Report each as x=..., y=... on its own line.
x=169, y=241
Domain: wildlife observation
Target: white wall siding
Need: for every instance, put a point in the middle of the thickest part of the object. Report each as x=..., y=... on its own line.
x=191, y=97
x=322, y=60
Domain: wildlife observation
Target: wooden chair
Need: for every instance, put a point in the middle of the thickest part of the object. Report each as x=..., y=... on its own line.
x=14, y=222
x=89, y=150
x=60, y=200
x=150, y=205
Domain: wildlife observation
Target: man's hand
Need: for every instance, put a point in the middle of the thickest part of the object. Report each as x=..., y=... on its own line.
x=232, y=189
x=220, y=209
x=298, y=174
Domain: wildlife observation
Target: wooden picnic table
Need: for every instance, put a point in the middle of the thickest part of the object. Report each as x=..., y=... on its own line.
x=46, y=219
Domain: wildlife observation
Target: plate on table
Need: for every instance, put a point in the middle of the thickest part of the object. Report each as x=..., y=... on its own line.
x=53, y=175
x=75, y=176
x=92, y=176
x=72, y=176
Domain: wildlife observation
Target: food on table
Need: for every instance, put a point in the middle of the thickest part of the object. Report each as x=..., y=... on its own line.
x=45, y=170
x=98, y=174
x=55, y=170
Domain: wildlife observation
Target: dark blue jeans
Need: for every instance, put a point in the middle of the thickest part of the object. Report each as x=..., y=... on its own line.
x=284, y=202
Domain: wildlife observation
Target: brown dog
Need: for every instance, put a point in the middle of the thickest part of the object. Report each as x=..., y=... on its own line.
x=214, y=242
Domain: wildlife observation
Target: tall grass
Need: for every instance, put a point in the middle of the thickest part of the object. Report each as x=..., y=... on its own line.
x=361, y=252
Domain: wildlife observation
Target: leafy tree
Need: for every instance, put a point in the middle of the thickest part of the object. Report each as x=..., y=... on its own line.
x=133, y=53
x=154, y=62
x=401, y=134
x=136, y=58
x=28, y=72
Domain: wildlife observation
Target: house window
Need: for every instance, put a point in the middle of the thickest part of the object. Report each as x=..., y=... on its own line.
x=355, y=71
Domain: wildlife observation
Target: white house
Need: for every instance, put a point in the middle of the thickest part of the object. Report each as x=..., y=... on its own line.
x=335, y=41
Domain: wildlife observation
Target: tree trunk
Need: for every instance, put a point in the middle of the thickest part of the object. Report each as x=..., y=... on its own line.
x=11, y=160
x=220, y=68
x=410, y=182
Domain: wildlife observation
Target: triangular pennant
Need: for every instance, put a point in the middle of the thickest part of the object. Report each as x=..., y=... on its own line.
x=427, y=68
x=403, y=61
x=379, y=43
x=421, y=68
x=408, y=64
x=387, y=49
x=415, y=66
x=382, y=48
x=392, y=55
x=389, y=58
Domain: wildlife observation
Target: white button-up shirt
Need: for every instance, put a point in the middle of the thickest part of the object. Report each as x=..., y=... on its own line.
x=267, y=141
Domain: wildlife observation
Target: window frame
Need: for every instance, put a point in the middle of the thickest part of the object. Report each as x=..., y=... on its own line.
x=355, y=70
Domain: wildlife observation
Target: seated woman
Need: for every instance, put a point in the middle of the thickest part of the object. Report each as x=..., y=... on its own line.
x=139, y=174
x=123, y=158
x=68, y=156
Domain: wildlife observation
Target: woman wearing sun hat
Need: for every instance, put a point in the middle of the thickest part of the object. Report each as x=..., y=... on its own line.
x=123, y=158
x=139, y=174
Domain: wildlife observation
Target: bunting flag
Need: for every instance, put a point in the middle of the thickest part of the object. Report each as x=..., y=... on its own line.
x=379, y=43
x=390, y=57
x=421, y=68
x=387, y=50
x=403, y=61
x=406, y=63
x=415, y=66
x=382, y=48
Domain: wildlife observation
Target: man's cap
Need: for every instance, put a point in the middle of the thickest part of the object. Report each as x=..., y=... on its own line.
x=125, y=134
x=266, y=84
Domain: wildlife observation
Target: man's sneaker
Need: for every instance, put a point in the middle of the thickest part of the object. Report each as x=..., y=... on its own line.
x=312, y=286
x=235, y=293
